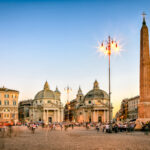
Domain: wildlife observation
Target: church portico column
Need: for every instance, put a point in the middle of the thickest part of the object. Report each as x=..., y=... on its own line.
x=61, y=119
x=44, y=116
x=84, y=119
x=85, y=116
x=107, y=115
x=97, y=115
x=62, y=115
x=54, y=115
x=94, y=116
x=58, y=116
x=104, y=115
x=47, y=116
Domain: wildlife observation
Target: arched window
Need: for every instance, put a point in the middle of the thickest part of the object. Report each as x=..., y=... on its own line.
x=6, y=110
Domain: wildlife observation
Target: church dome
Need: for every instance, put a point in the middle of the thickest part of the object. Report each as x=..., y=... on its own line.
x=96, y=93
x=45, y=93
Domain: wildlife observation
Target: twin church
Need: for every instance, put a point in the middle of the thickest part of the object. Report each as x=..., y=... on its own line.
x=47, y=106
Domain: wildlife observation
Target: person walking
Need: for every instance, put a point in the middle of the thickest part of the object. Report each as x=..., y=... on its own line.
x=72, y=125
x=33, y=128
x=97, y=128
x=61, y=126
x=107, y=128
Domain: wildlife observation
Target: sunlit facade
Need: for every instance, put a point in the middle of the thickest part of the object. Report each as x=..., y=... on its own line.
x=45, y=107
x=8, y=105
x=93, y=107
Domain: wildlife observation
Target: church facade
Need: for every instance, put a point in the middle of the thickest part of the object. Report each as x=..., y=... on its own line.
x=93, y=107
x=45, y=107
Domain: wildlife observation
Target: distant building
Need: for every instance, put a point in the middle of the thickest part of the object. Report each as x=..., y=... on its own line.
x=128, y=109
x=133, y=107
x=8, y=105
x=93, y=107
x=124, y=109
x=45, y=107
x=25, y=111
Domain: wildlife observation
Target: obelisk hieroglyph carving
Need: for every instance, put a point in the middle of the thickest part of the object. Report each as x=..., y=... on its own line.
x=144, y=104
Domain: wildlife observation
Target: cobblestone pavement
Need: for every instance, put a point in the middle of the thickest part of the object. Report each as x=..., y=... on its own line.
x=76, y=139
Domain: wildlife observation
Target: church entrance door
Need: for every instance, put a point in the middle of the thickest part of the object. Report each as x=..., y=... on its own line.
x=50, y=119
x=89, y=119
x=99, y=119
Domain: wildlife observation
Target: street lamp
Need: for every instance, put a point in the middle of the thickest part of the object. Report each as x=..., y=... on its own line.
x=107, y=47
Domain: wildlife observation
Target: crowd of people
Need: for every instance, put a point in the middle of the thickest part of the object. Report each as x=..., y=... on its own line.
x=7, y=130
x=103, y=127
x=116, y=127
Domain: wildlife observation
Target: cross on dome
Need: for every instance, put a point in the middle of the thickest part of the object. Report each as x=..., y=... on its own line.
x=96, y=85
x=46, y=86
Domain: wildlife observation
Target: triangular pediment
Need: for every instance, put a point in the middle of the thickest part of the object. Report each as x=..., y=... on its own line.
x=52, y=105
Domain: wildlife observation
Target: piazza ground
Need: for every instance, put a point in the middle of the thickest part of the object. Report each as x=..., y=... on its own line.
x=76, y=139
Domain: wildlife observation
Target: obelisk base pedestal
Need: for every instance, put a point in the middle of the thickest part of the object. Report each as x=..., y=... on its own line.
x=139, y=123
x=143, y=114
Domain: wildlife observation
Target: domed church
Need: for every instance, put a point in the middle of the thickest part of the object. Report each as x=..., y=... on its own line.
x=93, y=107
x=47, y=106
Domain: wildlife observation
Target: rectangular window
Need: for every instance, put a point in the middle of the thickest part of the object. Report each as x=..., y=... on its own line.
x=14, y=102
x=13, y=115
x=6, y=102
x=0, y=102
x=6, y=95
x=13, y=96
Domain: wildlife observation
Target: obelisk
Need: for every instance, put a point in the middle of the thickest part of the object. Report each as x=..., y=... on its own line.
x=144, y=104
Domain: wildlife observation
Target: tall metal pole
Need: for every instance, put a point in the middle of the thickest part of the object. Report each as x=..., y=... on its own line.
x=109, y=93
x=109, y=53
x=68, y=113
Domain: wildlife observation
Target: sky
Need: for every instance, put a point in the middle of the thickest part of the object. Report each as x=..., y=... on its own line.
x=57, y=41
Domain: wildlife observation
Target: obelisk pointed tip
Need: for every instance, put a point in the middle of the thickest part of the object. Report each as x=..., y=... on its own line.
x=144, y=21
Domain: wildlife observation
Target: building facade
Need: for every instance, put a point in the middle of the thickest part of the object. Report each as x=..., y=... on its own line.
x=45, y=107
x=128, y=109
x=8, y=105
x=25, y=111
x=93, y=107
x=124, y=109
x=133, y=107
